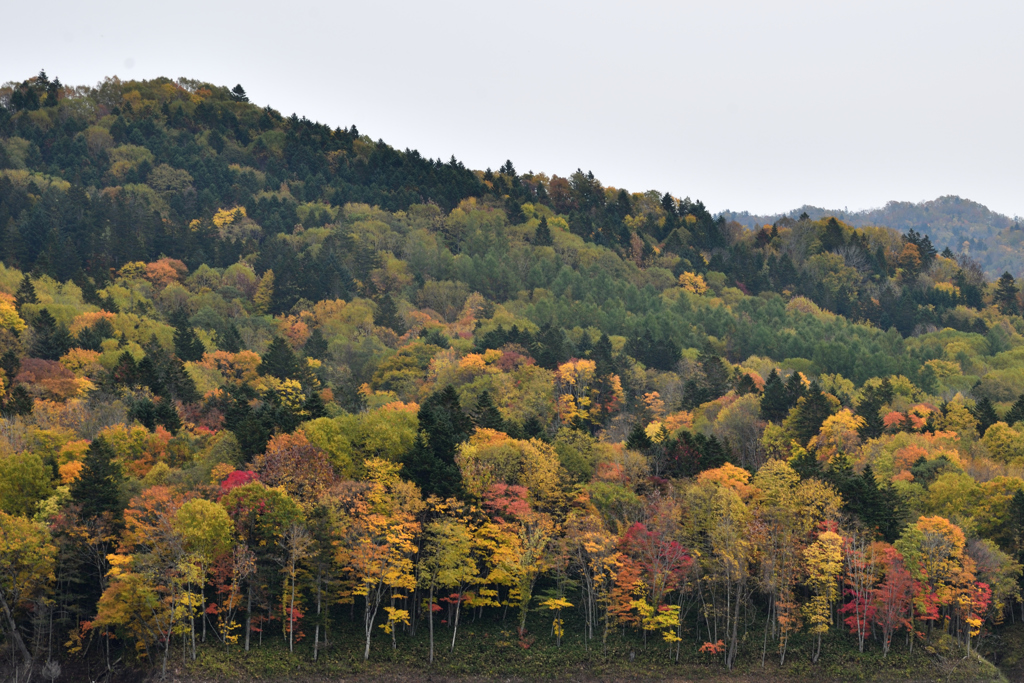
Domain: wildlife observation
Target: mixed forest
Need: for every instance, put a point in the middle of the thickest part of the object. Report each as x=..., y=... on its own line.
x=273, y=391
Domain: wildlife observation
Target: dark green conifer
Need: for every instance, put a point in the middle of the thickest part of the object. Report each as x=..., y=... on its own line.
x=487, y=415
x=387, y=315
x=98, y=488
x=231, y=340
x=187, y=345
x=811, y=413
x=443, y=426
x=279, y=361
x=26, y=293
x=1006, y=295
x=542, y=236
x=316, y=345
x=1016, y=412
x=50, y=340
x=774, y=399
x=986, y=415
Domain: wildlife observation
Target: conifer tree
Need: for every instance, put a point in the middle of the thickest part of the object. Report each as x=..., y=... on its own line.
x=51, y=341
x=187, y=345
x=1016, y=412
x=316, y=345
x=487, y=415
x=542, y=236
x=986, y=415
x=795, y=388
x=387, y=315
x=26, y=293
x=774, y=399
x=443, y=426
x=810, y=413
x=231, y=340
x=1006, y=295
x=279, y=361
x=638, y=439
x=98, y=488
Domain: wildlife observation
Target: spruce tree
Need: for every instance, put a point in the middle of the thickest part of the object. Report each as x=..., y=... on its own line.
x=187, y=345
x=774, y=399
x=443, y=426
x=1006, y=295
x=986, y=415
x=314, y=407
x=230, y=341
x=98, y=488
x=316, y=345
x=487, y=415
x=165, y=414
x=1016, y=412
x=811, y=413
x=26, y=293
x=638, y=439
x=50, y=340
x=279, y=361
x=795, y=389
x=542, y=236
x=387, y=315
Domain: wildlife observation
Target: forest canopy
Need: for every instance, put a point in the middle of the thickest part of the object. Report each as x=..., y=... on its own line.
x=262, y=380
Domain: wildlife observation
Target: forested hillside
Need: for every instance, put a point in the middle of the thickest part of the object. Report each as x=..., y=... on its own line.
x=995, y=241
x=277, y=397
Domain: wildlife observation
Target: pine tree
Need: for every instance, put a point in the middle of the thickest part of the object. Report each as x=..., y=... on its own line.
x=443, y=426
x=166, y=415
x=314, y=407
x=1016, y=412
x=986, y=415
x=238, y=94
x=638, y=439
x=542, y=237
x=187, y=345
x=26, y=293
x=230, y=341
x=387, y=315
x=279, y=361
x=1006, y=295
x=795, y=389
x=98, y=488
x=51, y=341
x=775, y=399
x=811, y=413
x=487, y=415
x=316, y=345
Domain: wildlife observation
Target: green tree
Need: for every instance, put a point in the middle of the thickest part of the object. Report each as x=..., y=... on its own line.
x=1006, y=295
x=774, y=401
x=387, y=315
x=187, y=345
x=98, y=489
x=279, y=361
x=26, y=293
x=26, y=570
x=811, y=412
x=542, y=236
x=50, y=341
x=443, y=426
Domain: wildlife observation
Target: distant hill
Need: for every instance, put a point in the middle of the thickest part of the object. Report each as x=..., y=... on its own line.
x=992, y=239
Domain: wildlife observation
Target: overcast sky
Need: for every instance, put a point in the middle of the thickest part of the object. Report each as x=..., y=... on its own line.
x=759, y=106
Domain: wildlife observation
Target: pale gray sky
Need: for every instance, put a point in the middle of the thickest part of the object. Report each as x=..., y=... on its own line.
x=760, y=106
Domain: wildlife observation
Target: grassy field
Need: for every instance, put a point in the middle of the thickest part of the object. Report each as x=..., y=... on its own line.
x=491, y=650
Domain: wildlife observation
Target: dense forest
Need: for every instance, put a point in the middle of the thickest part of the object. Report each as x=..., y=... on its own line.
x=272, y=387
x=995, y=241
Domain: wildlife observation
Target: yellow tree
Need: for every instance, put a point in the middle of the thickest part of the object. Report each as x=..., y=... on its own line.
x=385, y=531
x=824, y=560
x=446, y=561
x=575, y=379
x=26, y=569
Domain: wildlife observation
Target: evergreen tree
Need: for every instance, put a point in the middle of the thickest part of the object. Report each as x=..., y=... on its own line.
x=487, y=415
x=50, y=340
x=230, y=341
x=98, y=488
x=314, y=407
x=795, y=389
x=279, y=361
x=774, y=399
x=316, y=345
x=237, y=93
x=638, y=439
x=387, y=315
x=187, y=345
x=1016, y=523
x=26, y=293
x=166, y=415
x=1006, y=295
x=17, y=402
x=1016, y=412
x=443, y=426
x=811, y=412
x=542, y=237
x=986, y=415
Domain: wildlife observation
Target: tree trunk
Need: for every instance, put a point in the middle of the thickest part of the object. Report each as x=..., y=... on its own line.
x=458, y=606
x=316, y=633
x=248, y=617
x=430, y=608
x=18, y=642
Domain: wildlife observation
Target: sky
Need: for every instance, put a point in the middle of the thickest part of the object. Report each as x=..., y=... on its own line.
x=758, y=106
